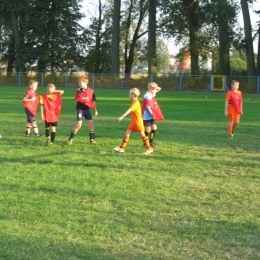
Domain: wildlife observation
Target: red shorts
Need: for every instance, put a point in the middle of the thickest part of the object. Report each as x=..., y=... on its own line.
x=233, y=118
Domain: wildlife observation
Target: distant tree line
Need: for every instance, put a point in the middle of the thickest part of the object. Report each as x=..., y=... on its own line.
x=48, y=35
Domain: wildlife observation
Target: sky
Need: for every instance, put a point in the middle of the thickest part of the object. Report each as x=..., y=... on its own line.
x=173, y=49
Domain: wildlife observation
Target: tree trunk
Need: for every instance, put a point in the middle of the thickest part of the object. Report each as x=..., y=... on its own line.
x=115, y=65
x=249, y=40
x=152, y=59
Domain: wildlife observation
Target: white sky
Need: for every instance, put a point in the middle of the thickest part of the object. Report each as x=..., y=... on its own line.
x=88, y=4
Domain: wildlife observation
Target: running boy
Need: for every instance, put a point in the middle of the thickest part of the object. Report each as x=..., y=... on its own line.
x=151, y=111
x=85, y=98
x=50, y=111
x=233, y=107
x=136, y=124
x=30, y=101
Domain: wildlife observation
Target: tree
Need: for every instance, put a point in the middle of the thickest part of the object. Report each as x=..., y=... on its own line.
x=251, y=71
x=152, y=62
x=115, y=64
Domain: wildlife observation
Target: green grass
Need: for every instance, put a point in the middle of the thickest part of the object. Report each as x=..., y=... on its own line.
x=196, y=197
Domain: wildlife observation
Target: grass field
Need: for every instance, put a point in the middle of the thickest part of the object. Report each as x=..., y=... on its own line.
x=196, y=197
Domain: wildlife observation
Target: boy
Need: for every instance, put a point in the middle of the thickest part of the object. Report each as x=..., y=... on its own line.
x=50, y=111
x=151, y=111
x=85, y=98
x=136, y=124
x=30, y=101
x=233, y=107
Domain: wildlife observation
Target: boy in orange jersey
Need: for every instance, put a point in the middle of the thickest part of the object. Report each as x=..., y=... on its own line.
x=136, y=124
x=233, y=107
x=85, y=98
x=50, y=111
x=30, y=101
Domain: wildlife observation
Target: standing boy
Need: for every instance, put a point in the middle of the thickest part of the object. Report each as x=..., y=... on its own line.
x=85, y=98
x=51, y=104
x=233, y=107
x=30, y=101
x=151, y=111
x=136, y=124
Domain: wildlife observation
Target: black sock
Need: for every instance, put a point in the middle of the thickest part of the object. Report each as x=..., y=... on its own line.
x=47, y=132
x=91, y=136
x=53, y=134
x=152, y=135
x=72, y=135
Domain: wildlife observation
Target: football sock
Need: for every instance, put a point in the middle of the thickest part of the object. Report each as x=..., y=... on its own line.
x=124, y=142
x=146, y=133
x=146, y=142
x=234, y=126
x=47, y=132
x=35, y=129
x=152, y=135
x=53, y=134
x=91, y=135
x=72, y=135
x=230, y=129
x=28, y=130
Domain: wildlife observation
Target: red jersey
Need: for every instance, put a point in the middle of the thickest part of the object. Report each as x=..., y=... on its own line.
x=152, y=103
x=235, y=100
x=52, y=104
x=31, y=106
x=85, y=98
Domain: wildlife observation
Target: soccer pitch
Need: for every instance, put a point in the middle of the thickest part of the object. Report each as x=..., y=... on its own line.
x=195, y=197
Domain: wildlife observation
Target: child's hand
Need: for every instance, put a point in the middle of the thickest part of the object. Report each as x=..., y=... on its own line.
x=43, y=118
x=120, y=118
x=33, y=98
x=96, y=113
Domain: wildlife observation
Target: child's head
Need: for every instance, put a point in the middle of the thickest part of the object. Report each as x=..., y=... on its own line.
x=234, y=84
x=83, y=82
x=152, y=86
x=33, y=85
x=134, y=93
x=50, y=88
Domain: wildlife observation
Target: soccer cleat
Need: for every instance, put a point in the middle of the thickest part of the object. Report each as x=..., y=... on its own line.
x=48, y=141
x=148, y=152
x=69, y=142
x=27, y=135
x=118, y=149
x=38, y=134
x=93, y=142
x=231, y=136
x=153, y=144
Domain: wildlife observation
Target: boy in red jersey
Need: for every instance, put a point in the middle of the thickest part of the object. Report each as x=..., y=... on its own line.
x=233, y=107
x=151, y=111
x=30, y=101
x=50, y=111
x=136, y=124
x=85, y=98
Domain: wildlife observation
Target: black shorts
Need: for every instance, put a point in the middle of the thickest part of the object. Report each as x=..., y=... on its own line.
x=149, y=122
x=30, y=117
x=51, y=124
x=83, y=113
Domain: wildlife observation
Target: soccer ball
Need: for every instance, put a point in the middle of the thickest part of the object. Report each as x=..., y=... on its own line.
x=0, y=137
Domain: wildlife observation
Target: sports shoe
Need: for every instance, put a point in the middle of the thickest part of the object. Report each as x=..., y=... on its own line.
x=153, y=144
x=231, y=136
x=27, y=135
x=93, y=142
x=48, y=141
x=118, y=149
x=69, y=142
x=38, y=134
x=148, y=152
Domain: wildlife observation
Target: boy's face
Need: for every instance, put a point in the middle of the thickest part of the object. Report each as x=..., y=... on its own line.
x=34, y=86
x=50, y=89
x=83, y=84
x=152, y=90
x=235, y=86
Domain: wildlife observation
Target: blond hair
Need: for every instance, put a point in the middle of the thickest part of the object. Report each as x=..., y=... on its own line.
x=152, y=85
x=135, y=92
x=31, y=82
x=83, y=79
x=233, y=82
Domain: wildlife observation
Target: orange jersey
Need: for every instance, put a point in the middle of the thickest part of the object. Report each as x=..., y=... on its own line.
x=136, y=124
x=234, y=102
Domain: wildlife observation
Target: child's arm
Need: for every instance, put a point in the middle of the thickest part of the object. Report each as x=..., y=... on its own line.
x=158, y=89
x=226, y=108
x=95, y=109
x=29, y=99
x=58, y=91
x=125, y=114
x=42, y=114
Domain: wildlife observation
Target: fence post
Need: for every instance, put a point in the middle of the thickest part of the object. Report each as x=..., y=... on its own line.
x=151, y=77
x=121, y=81
x=93, y=80
x=19, y=78
x=181, y=82
x=66, y=79
x=258, y=83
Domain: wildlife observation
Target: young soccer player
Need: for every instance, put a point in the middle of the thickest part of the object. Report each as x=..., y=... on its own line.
x=151, y=111
x=85, y=98
x=51, y=104
x=233, y=107
x=30, y=101
x=136, y=124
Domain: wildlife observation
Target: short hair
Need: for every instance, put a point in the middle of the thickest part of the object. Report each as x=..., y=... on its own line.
x=152, y=85
x=31, y=82
x=135, y=92
x=51, y=85
x=234, y=82
x=84, y=79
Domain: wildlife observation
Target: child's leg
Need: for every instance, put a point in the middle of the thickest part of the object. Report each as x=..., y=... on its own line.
x=154, y=128
x=230, y=128
x=91, y=131
x=53, y=133
x=126, y=139
x=75, y=130
x=28, y=127
x=146, y=141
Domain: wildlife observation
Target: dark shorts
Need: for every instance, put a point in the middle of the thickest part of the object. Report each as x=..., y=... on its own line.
x=50, y=124
x=83, y=113
x=30, y=117
x=149, y=122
